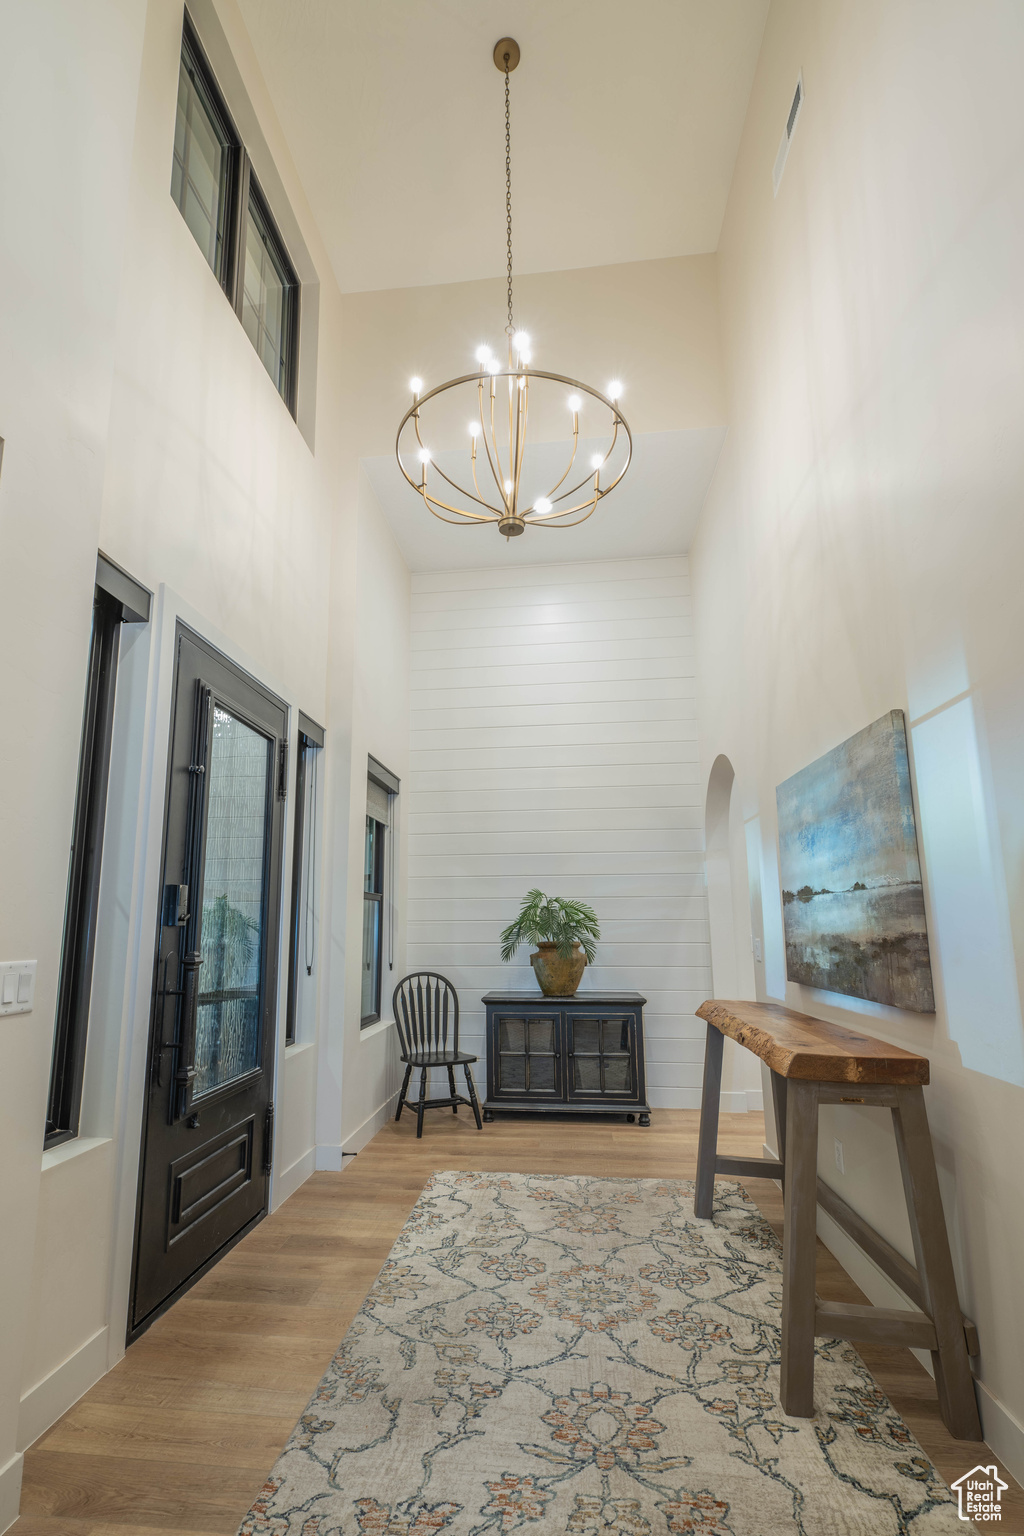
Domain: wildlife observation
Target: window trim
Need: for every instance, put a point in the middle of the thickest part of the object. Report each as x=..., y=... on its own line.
x=217, y=108
x=311, y=739
x=377, y=774
x=251, y=193
x=376, y=896
x=241, y=187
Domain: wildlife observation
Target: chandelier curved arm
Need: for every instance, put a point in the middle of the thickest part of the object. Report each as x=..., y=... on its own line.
x=522, y=410
x=459, y=520
x=454, y=483
x=611, y=449
x=572, y=457
x=495, y=460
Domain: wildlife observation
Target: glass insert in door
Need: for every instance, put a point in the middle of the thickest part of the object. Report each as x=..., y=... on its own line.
x=234, y=879
x=602, y=1059
x=526, y=1055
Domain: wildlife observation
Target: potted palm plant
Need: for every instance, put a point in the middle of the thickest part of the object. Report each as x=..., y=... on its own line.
x=565, y=933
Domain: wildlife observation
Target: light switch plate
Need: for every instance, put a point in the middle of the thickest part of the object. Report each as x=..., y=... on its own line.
x=17, y=986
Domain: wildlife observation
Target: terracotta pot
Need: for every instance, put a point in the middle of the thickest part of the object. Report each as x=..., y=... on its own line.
x=556, y=976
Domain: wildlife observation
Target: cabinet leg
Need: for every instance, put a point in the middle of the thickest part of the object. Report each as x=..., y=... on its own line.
x=707, y=1144
x=488, y=1117
x=645, y=1119
x=796, y=1386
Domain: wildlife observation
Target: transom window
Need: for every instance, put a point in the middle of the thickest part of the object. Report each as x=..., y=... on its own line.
x=215, y=188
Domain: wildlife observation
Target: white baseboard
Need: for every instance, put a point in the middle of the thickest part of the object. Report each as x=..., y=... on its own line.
x=1003, y=1431
x=736, y=1102
x=288, y=1181
x=330, y=1159
x=43, y=1404
x=10, y=1491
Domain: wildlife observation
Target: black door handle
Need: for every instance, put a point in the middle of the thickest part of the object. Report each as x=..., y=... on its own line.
x=185, y=1075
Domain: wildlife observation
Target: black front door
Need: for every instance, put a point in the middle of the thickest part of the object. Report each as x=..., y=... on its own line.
x=208, y=1125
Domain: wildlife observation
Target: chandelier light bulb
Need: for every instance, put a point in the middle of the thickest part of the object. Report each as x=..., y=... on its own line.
x=424, y=455
x=508, y=487
x=493, y=366
x=597, y=461
x=483, y=353
x=521, y=381
x=542, y=504
x=522, y=341
x=614, y=389
x=415, y=384
x=574, y=402
x=474, y=429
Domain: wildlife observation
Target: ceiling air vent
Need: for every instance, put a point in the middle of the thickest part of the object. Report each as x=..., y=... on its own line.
x=787, y=134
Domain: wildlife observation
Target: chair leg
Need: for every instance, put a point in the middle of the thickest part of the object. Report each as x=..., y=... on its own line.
x=707, y=1143
x=401, y=1096
x=421, y=1106
x=953, y=1378
x=451, y=1085
x=796, y=1386
x=472, y=1095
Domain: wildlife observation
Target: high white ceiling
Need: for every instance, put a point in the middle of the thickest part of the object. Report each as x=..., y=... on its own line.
x=653, y=512
x=626, y=121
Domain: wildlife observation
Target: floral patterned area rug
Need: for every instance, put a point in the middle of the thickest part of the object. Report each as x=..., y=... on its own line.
x=583, y=1357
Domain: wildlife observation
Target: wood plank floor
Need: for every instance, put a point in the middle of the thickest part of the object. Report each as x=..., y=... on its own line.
x=181, y=1434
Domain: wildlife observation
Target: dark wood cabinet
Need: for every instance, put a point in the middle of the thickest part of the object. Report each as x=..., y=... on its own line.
x=581, y=1054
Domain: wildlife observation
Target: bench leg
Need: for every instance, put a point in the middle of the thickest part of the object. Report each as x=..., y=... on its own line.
x=796, y=1387
x=779, y=1106
x=401, y=1096
x=707, y=1143
x=953, y=1379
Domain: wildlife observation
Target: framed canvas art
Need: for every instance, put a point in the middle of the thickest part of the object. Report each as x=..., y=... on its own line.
x=852, y=898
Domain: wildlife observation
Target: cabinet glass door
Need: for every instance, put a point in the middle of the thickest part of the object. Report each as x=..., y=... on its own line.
x=527, y=1056
x=601, y=1057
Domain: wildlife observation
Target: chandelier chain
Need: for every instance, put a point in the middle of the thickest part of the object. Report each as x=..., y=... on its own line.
x=508, y=197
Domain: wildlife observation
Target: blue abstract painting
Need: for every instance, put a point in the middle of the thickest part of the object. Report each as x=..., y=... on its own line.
x=852, y=898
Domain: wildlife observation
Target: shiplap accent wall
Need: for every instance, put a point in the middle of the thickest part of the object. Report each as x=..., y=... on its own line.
x=554, y=745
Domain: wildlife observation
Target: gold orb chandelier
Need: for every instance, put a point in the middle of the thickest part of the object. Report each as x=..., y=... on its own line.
x=498, y=422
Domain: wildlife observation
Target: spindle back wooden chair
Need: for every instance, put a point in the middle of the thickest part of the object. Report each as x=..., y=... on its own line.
x=426, y=1007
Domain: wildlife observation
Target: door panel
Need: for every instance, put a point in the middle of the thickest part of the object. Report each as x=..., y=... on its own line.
x=207, y=1131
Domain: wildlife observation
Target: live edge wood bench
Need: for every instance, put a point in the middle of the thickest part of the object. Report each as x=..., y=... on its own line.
x=814, y=1063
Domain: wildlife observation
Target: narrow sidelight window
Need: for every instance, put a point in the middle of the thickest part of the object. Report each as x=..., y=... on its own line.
x=213, y=184
x=302, y=944
x=118, y=599
x=378, y=884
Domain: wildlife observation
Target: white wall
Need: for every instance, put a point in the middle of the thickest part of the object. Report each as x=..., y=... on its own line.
x=553, y=745
x=860, y=550
x=138, y=419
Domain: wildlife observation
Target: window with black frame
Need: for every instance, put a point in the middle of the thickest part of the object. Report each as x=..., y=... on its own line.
x=215, y=188
x=378, y=886
x=305, y=853
x=117, y=600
